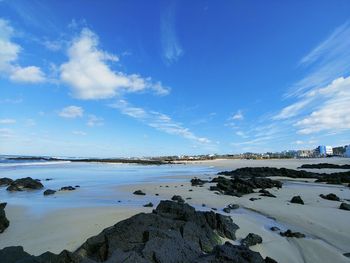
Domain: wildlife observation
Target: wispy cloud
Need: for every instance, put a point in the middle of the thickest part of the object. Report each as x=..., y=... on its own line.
x=171, y=47
x=237, y=116
x=71, y=112
x=90, y=76
x=79, y=133
x=158, y=121
x=94, y=121
x=7, y=121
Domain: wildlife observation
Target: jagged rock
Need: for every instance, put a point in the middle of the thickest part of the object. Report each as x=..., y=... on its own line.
x=230, y=207
x=347, y=255
x=274, y=228
x=67, y=188
x=289, y=233
x=344, y=206
x=251, y=239
x=264, y=192
x=248, y=172
x=4, y=222
x=229, y=253
x=254, y=199
x=270, y=260
x=139, y=192
x=331, y=197
x=297, y=200
x=197, y=182
x=172, y=233
x=5, y=181
x=178, y=198
x=324, y=166
x=49, y=192
x=24, y=184
x=239, y=186
x=150, y=204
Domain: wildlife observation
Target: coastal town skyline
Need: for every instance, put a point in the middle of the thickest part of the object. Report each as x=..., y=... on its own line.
x=172, y=77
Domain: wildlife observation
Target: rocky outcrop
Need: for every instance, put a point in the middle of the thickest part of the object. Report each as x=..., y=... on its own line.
x=178, y=198
x=251, y=240
x=324, y=166
x=24, y=184
x=331, y=197
x=289, y=233
x=198, y=182
x=297, y=200
x=239, y=187
x=67, y=188
x=139, y=192
x=344, y=206
x=4, y=222
x=49, y=192
x=5, y=181
x=173, y=232
x=248, y=172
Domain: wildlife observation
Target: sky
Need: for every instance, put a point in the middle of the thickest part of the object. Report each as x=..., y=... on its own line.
x=148, y=78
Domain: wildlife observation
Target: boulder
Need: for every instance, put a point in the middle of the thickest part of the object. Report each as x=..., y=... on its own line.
x=4, y=222
x=178, y=198
x=297, y=200
x=139, y=192
x=274, y=228
x=344, y=206
x=289, y=233
x=174, y=232
x=331, y=197
x=5, y=181
x=67, y=188
x=251, y=239
x=229, y=253
x=197, y=182
x=150, y=204
x=24, y=184
x=230, y=207
x=49, y=192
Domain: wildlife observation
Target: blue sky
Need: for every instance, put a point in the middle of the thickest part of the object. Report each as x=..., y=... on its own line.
x=140, y=78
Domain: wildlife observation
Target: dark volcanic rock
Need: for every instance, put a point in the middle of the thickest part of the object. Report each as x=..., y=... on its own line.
x=274, y=228
x=289, y=233
x=139, y=192
x=4, y=223
x=5, y=181
x=251, y=239
x=24, y=184
x=331, y=197
x=297, y=200
x=49, y=192
x=229, y=253
x=325, y=166
x=230, y=207
x=172, y=233
x=197, y=182
x=239, y=187
x=254, y=199
x=150, y=204
x=178, y=198
x=67, y=188
x=264, y=192
x=270, y=260
x=248, y=172
x=344, y=206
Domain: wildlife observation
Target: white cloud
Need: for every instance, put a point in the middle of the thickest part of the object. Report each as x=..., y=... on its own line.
x=158, y=121
x=333, y=111
x=71, y=112
x=89, y=75
x=237, y=116
x=9, y=52
x=6, y=133
x=7, y=121
x=94, y=121
x=79, y=133
x=31, y=74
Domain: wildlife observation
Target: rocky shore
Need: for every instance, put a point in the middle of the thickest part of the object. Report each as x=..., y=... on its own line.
x=173, y=232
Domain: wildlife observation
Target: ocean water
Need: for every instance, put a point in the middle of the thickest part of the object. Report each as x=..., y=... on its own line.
x=98, y=181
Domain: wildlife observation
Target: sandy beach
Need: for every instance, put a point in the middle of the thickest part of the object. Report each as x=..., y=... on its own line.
x=326, y=227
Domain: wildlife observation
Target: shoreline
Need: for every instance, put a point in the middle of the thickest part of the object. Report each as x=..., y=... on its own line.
x=325, y=225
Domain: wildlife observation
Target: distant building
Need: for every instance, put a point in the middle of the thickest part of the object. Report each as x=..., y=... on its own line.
x=305, y=153
x=323, y=150
x=347, y=151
